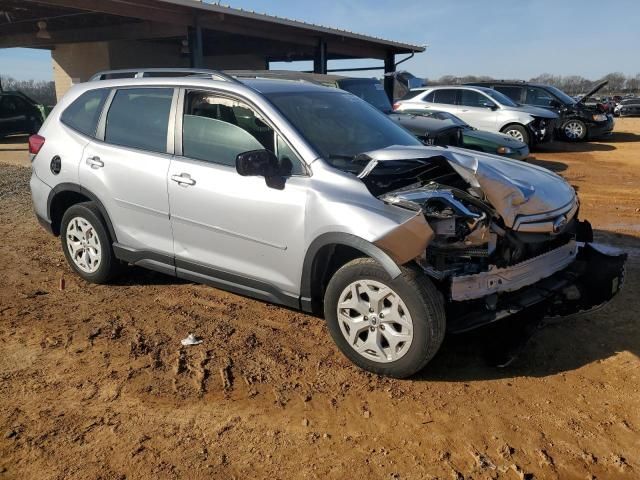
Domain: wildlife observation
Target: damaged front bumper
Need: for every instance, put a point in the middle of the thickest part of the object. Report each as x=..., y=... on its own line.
x=581, y=277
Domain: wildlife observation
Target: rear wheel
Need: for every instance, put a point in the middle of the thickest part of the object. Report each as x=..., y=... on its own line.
x=574, y=130
x=518, y=132
x=86, y=243
x=387, y=326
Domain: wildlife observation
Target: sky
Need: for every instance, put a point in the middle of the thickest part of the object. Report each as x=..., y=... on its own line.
x=499, y=38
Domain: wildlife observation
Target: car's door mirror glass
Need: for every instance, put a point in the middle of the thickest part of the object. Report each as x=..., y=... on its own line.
x=257, y=163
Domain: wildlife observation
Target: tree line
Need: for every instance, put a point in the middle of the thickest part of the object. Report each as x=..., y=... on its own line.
x=571, y=84
x=41, y=91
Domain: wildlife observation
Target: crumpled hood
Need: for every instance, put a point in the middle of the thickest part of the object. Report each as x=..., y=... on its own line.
x=512, y=188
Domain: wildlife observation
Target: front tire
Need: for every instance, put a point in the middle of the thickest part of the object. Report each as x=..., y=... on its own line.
x=86, y=244
x=518, y=132
x=387, y=326
x=574, y=130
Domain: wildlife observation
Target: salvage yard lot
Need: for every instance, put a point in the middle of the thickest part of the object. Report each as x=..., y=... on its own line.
x=94, y=382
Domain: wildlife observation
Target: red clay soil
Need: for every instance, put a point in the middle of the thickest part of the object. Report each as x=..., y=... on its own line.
x=94, y=383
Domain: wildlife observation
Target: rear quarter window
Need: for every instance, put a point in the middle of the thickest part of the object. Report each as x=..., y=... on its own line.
x=84, y=113
x=412, y=94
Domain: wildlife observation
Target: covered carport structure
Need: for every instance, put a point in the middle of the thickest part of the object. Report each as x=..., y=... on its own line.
x=86, y=36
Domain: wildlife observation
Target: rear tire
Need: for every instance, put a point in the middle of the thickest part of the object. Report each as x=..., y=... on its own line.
x=86, y=244
x=517, y=131
x=387, y=326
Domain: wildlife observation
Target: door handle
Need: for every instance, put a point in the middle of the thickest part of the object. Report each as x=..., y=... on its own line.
x=95, y=162
x=464, y=110
x=183, y=179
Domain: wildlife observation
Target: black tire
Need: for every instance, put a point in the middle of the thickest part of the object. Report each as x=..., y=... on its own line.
x=569, y=129
x=109, y=265
x=423, y=301
x=520, y=129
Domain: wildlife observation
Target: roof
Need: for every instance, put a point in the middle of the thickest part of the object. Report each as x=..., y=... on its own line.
x=250, y=14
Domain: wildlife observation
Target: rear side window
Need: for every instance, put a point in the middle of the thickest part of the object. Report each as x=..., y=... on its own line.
x=446, y=96
x=84, y=113
x=139, y=117
x=411, y=94
x=514, y=93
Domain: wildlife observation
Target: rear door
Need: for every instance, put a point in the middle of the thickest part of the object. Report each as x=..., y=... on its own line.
x=126, y=167
x=477, y=110
x=443, y=99
x=227, y=227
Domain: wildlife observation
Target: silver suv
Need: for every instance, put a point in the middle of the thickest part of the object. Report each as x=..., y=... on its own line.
x=309, y=197
x=484, y=109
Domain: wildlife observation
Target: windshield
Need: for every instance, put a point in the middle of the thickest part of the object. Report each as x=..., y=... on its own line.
x=563, y=97
x=500, y=98
x=369, y=90
x=338, y=125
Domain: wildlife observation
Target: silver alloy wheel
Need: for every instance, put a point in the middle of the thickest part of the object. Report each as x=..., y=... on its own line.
x=84, y=245
x=375, y=321
x=574, y=130
x=517, y=134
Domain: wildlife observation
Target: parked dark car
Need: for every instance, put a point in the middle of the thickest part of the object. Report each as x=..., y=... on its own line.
x=578, y=121
x=19, y=114
x=443, y=128
x=431, y=127
x=629, y=107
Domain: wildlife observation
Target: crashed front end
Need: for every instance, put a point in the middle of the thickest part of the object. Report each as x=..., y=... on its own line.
x=496, y=236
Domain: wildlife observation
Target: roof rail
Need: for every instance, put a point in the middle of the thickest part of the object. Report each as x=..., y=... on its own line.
x=162, y=72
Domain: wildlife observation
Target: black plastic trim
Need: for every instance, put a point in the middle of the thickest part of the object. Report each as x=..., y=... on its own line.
x=235, y=283
x=338, y=238
x=73, y=187
x=46, y=224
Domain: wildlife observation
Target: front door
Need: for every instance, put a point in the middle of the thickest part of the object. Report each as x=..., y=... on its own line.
x=238, y=230
x=127, y=171
x=477, y=110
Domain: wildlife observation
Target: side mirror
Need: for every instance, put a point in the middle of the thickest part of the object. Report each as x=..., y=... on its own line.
x=490, y=105
x=262, y=163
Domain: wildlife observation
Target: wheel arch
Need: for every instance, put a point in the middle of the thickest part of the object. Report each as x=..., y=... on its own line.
x=64, y=195
x=326, y=254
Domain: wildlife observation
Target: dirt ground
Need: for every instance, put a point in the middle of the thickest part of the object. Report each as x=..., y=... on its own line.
x=94, y=382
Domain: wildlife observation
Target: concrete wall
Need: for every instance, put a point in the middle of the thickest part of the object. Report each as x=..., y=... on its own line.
x=76, y=62
x=73, y=63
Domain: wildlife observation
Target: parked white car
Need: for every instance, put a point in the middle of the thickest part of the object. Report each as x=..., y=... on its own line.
x=485, y=109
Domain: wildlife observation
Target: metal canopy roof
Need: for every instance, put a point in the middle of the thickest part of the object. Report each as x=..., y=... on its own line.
x=226, y=30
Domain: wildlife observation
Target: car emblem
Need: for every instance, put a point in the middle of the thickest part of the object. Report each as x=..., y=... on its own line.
x=559, y=224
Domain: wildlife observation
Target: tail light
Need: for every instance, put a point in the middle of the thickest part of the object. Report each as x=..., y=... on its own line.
x=35, y=144
x=396, y=106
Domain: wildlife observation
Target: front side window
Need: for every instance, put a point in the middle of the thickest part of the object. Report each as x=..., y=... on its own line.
x=446, y=96
x=84, y=113
x=139, y=118
x=539, y=97
x=471, y=98
x=217, y=129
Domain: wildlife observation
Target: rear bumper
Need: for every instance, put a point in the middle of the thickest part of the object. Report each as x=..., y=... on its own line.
x=593, y=277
